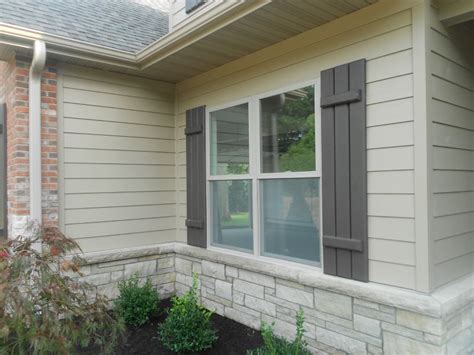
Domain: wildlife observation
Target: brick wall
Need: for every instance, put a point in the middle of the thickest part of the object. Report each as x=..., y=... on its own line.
x=15, y=75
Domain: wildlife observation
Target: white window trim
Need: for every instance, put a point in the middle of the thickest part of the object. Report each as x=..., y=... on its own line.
x=255, y=175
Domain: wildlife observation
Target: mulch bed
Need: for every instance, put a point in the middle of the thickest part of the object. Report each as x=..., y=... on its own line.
x=234, y=338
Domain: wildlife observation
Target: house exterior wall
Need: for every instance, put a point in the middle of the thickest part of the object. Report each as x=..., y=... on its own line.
x=15, y=74
x=386, y=43
x=451, y=112
x=117, y=159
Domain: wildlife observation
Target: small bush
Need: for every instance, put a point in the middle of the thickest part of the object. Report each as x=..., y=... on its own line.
x=188, y=326
x=136, y=304
x=44, y=307
x=277, y=346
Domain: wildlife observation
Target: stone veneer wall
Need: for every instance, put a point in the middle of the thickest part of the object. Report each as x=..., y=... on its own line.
x=340, y=315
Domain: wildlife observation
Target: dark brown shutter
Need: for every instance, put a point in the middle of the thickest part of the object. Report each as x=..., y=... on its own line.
x=196, y=176
x=193, y=4
x=344, y=171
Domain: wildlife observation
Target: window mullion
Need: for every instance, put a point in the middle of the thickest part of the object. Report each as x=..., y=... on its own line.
x=254, y=169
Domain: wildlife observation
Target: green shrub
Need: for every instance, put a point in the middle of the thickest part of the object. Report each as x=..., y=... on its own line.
x=277, y=346
x=188, y=326
x=136, y=304
x=44, y=307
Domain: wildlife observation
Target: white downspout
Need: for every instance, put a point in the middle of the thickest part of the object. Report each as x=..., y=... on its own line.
x=37, y=66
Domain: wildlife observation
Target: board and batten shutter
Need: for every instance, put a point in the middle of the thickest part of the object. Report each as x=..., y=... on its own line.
x=344, y=170
x=196, y=176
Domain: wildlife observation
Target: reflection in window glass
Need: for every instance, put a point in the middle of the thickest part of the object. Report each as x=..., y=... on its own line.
x=231, y=210
x=287, y=131
x=290, y=219
x=229, y=139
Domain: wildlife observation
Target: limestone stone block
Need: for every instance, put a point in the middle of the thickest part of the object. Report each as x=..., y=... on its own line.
x=238, y=297
x=333, y=303
x=294, y=295
x=354, y=334
x=213, y=306
x=143, y=268
x=97, y=279
x=461, y=343
x=399, y=344
x=400, y=330
x=340, y=342
x=212, y=269
x=248, y=288
x=165, y=263
x=241, y=317
x=224, y=289
x=419, y=322
x=260, y=305
x=232, y=271
x=259, y=279
x=367, y=325
x=197, y=268
x=373, y=313
x=282, y=328
x=182, y=265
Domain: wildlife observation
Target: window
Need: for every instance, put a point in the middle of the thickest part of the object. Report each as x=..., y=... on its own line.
x=263, y=176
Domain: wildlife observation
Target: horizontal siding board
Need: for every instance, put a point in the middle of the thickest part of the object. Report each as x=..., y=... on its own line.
x=392, y=274
x=399, y=134
x=100, y=229
x=451, y=203
x=393, y=251
x=390, y=89
x=454, y=247
x=452, y=159
x=117, y=157
x=72, y=125
x=73, y=140
x=390, y=112
x=444, y=46
x=117, y=101
x=402, y=229
x=112, y=114
x=111, y=171
x=456, y=224
x=453, y=269
x=443, y=112
x=452, y=181
x=119, y=199
x=446, y=91
x=394, y=158
x=393, y=182
x=450, y=71
x=75, y=186
x=454, y=137
x=388, y=66
x=385, y=205
x=123, y=241
x=90, y=215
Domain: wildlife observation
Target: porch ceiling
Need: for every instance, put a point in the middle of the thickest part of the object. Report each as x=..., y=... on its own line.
x=268, y=24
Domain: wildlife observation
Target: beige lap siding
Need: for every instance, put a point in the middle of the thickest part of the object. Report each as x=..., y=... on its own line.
x=118, y=159
x=452, y=107
x=387, y=44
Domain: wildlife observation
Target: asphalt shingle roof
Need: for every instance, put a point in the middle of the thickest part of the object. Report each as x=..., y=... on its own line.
x=119, y=24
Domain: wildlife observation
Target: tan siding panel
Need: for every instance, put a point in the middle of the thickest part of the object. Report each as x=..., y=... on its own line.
x=452, y=181
x=390, y=89
x=72, y=140
x=398, y=158
x=443, y=45
x=116, y=129
x=445, y=91
x=391, y=205
x=448, y=136
x=452, y=159
x=111, y=171
x=393, y=251
x=456, y=224
x=451, y=203
x=394, y=135
x=392, y=274
x=453, y=269
x=393, y=182
x=117, y=157
x=126, y=240
x=452, y=115
x=91, y=230
x=119, y=199
x=74, y=186
x=117, y=115
x=391, y=65
x=89, y=215
x=451, y=71
x=454, y=247
x=390, y=112
x=402, y=229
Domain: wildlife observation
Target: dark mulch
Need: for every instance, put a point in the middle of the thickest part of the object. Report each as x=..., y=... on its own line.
x=234, y=338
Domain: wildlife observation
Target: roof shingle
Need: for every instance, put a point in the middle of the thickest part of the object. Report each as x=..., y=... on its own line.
x=119, y=24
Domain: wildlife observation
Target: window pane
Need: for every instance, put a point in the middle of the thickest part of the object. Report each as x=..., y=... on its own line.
x=287, y=131
x=290, y=219
x=229, y=137
x=231, y=214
